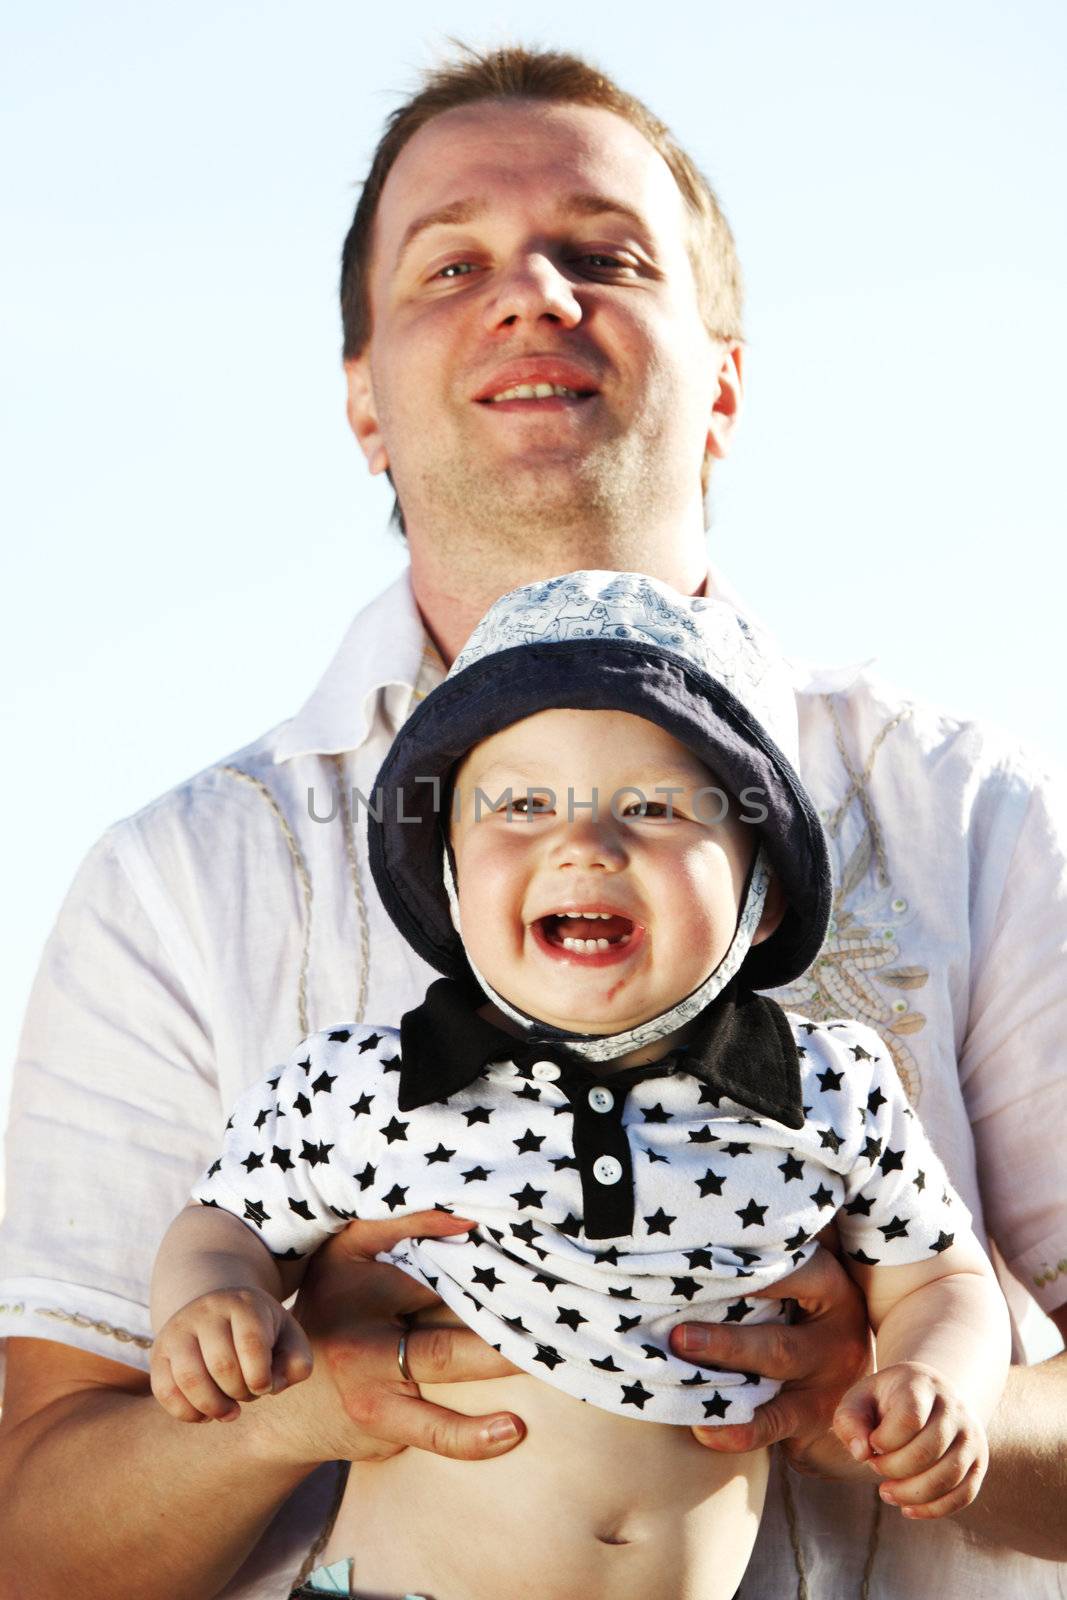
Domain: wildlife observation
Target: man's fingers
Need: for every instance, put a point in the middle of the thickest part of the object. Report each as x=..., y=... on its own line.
x=769, y=1348
x=363, y=1239
x=777, y=1419
x=452, y=1355
x=406, y=1420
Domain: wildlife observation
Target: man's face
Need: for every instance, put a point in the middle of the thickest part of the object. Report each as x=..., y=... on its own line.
x=535, y=247
x=604, y=813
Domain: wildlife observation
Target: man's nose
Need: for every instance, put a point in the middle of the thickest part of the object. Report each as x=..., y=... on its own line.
x=588, y=842
x=532, y=288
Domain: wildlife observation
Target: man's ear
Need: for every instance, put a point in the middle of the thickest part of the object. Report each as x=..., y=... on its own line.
x=363, y=413
x=726, y=407
x=774, y=909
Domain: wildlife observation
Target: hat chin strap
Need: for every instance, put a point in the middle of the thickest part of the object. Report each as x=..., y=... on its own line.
x=605, y=1047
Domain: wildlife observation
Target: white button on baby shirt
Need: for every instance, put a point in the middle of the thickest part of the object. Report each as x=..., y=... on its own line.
x=601, y=1099
x=547, y=1071
x=607, y=1170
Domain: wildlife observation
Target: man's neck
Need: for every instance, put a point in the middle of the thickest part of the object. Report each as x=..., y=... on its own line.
x=452, y=600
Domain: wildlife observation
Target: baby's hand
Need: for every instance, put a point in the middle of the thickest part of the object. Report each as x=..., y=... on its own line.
x=232, y=1344
x=915, y=1431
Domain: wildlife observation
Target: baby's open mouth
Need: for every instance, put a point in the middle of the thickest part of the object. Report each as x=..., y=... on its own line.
x=584, y=932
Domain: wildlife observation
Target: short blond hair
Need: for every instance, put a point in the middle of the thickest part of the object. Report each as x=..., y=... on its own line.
x=515, y=73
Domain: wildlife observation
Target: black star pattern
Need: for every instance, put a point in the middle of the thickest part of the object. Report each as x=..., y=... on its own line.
x=302, y=1209
x=516, y=1324
x=875, y=1100
x=486, y=1277
x=693, y=1382
x=860, y=1207
x=635, y=1394
x=859, y=1053
x=863, y=1259
x=606, y=1364
x=391, y=1065
x=216, y=1166
x=686, y=1287
x=652, y=1156
x=314, y=1154
x=528, y=1195
x=395, y=1197
x=829, y=1140
x=305, y=1065
x=528, y=1092
x=525, y=1231
x=610, y=1255
x=251, y=1161
x=548, y=1282
x=702, y=1135
x=529, y=1142
x=367, y=1176
x=362, y=1105
x=829, y=1079
x=229, y=1124
x=942, y=1242
x=735, y=1149
x=823, y=1196
x=292, y=1254
x=656, y=1113
x=272, y=1083
x=548, y=1355
x=626, y=1293
x=342, y=1036
x=799, y=1239
x=659, y=1221
x=371, y=1042
x=475, y=1175
x=345, y=1216
x=892, y=1161
x=653, y=1352
x=254, y=1212
x=752, y=1215
x=716, y=1406
x=792, y=1167
x=709, y=1096
x=810, y=1028
x=440, y=1154
x=920, y=1181
x=302, y=1104
x=571, y=1225
x=477, y=1114
x=710, y=1183
x=624, y=1324
x=395, y=1129
x=896, y=1229
x=559, y=1162
x=323, y=1082
x=570, y=1318
x=260, y=1120
x=872, y=1148
x=700, y=1258
x=738, y=1311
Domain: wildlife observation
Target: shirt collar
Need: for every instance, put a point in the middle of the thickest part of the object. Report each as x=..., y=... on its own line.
x=743, y=1048
x=385, y=649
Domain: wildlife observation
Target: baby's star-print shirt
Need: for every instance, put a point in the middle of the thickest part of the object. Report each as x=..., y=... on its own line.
x=608, y=1208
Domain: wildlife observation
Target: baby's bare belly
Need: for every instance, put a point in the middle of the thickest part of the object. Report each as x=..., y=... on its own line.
x=590, y=1506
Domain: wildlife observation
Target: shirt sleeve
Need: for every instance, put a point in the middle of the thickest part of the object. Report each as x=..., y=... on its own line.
x=291, y=1144
x=1012, y=1056
x=113, y=1110
x=899, y=1205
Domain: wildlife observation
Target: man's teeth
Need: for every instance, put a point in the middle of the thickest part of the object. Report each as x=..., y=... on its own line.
x=534, y=391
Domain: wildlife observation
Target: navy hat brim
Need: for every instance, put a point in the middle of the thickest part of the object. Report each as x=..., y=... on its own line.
x=404, y=826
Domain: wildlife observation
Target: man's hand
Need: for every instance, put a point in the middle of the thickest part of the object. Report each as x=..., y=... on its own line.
x=816, y=1358
x=356, y=1406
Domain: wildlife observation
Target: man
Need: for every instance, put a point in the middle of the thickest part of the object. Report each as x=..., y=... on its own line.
x=525, y=227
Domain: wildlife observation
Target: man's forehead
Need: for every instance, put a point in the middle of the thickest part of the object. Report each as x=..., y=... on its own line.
x=525, y=149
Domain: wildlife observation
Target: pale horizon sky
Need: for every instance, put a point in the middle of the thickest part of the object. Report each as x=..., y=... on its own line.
x=188, y=525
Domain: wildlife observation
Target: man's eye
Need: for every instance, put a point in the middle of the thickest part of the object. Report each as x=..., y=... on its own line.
x=458, y=268
x=602, y=261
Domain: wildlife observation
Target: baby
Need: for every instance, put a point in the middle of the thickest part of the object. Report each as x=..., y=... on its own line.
x=592, y=830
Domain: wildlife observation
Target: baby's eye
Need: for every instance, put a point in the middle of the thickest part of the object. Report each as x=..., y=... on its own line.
x=532, y=805
x=649, y=808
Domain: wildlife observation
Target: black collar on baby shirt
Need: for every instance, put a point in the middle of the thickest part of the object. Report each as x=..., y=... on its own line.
x=743, y=1048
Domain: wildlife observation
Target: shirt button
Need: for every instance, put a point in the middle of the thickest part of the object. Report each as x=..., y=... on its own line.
x=601, y=1099
x=547, y=1071
x=607, y=1170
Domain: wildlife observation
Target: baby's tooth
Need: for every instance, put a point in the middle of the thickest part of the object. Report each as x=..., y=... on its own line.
x=602, y=944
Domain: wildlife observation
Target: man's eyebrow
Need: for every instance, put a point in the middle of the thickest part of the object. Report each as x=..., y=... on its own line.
x=456, y=212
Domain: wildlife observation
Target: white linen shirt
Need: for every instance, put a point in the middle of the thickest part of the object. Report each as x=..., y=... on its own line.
x=214, y=929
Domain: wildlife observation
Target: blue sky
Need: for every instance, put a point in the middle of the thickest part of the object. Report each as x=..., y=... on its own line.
x=188, y=524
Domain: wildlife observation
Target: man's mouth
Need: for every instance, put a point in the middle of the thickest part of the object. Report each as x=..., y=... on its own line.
x=537, y=391
x=590, y=936
x=544, y=382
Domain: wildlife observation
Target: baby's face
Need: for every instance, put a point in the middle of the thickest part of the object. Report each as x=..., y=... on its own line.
x=659, y=884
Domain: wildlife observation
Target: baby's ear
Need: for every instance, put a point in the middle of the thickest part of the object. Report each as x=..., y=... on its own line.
x=774, y=908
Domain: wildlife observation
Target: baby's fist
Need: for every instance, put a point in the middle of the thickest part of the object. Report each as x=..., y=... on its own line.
x=918, y=1434
x=226, y=1346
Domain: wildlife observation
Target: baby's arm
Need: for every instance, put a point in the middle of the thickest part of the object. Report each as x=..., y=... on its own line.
x=943, y=1345
x=223, y=1334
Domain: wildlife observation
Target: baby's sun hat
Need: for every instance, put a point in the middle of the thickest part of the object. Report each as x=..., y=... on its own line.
x=609, y=641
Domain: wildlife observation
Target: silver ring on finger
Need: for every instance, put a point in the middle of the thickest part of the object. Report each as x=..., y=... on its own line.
x=402, y=1356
